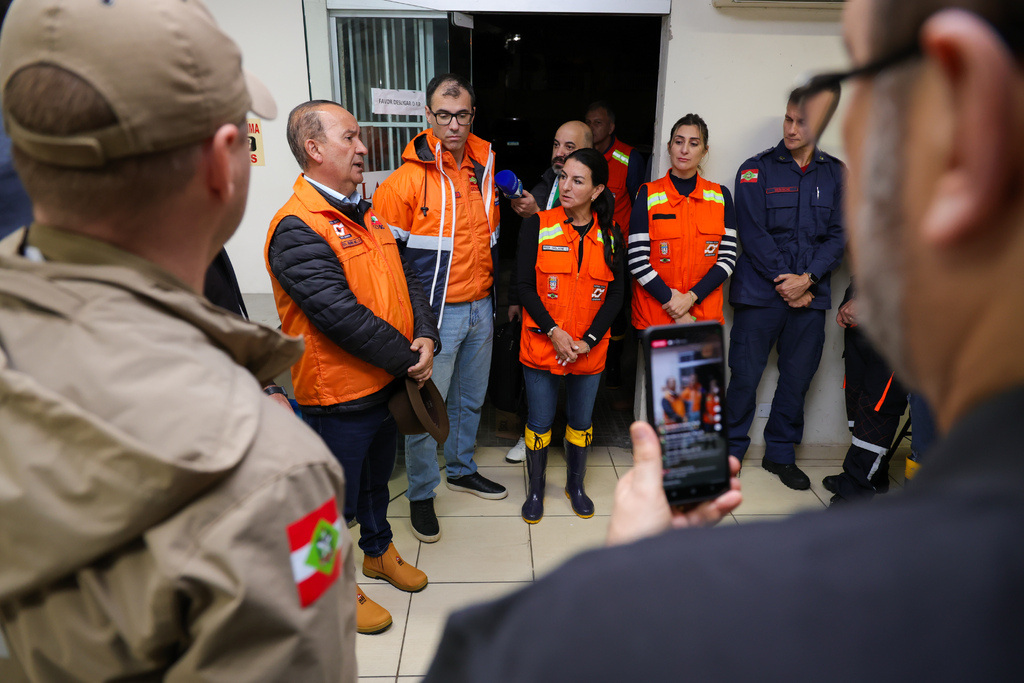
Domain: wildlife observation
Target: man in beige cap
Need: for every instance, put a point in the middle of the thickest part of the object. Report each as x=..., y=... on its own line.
x=160, y=518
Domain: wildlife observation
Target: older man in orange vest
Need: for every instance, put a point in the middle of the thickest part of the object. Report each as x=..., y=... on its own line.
x=340, y=282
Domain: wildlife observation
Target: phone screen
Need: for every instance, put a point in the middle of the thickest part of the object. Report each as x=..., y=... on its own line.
x=686, y=407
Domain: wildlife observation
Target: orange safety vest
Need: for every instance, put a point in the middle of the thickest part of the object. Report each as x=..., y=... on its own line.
x=617, y=157
x=685, y=235
x=326, y=374
x=712, y=409
x=572, y=292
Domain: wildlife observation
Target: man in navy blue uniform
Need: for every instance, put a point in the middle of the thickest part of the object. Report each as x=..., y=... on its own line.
x=790, y=224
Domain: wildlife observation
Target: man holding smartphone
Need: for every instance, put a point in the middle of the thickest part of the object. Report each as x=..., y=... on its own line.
x=936, y=224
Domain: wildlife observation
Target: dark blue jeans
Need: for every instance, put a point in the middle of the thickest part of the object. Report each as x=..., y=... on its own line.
x=364, y=442
x=542, y=397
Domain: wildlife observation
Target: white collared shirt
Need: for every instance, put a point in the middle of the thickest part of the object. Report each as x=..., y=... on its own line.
x=353, y=198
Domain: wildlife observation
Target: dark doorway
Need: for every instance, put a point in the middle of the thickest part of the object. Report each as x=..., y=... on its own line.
x=533, y=72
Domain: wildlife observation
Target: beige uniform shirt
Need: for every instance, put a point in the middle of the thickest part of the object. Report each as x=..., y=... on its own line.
x=160, y=518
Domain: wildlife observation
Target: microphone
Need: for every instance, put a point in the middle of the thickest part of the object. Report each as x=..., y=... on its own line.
x=509, y=184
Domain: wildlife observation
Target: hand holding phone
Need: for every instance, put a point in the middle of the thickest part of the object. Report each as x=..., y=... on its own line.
x=640, y=508
x=685, y=369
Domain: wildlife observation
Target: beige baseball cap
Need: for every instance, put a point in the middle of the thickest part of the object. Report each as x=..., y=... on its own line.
x=171, y=76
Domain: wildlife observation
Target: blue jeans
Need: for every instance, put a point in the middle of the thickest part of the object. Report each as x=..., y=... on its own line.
x=461, y=371
x=542, y=397
x=364, y=442
x=800, y=335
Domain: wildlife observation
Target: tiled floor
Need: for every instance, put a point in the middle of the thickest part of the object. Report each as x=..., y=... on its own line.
x=486, y=550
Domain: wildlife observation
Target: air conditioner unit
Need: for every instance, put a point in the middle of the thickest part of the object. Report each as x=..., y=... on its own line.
x=803, y=4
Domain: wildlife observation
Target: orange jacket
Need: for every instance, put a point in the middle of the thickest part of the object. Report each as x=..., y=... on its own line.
x=571, y=292
x=326, y=374
x=685, y=235
x=617, y=157
x=428, y=200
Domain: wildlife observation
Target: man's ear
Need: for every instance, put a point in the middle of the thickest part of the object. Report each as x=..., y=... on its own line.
x=978, y=77
x=313, y=151
x=223, y=155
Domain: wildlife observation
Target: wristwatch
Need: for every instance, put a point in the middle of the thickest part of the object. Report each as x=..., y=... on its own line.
x=552, y=331
x=814, y=278
x=274, y=389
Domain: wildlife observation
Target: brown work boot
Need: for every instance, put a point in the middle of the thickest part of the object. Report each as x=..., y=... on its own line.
x=396, y=571
x=370, y=617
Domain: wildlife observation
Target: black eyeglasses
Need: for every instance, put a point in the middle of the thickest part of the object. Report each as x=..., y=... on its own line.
x=818, y=98
x=445, y=117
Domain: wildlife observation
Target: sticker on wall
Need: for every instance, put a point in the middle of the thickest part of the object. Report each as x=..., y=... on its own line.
x=256, y=155
x=398, y=102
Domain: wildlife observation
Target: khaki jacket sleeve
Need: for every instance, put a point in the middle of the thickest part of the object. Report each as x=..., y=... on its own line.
x=246, y=619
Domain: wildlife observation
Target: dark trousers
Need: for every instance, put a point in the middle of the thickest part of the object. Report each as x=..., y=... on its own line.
x=875, y=402
x=800, y=335
x=364, y=442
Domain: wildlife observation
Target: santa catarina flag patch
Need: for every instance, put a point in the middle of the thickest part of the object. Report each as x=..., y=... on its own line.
x=315, y=542
x=748, y=176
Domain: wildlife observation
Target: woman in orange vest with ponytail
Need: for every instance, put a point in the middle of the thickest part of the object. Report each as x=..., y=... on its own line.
x=682, y=242
x=570, y=280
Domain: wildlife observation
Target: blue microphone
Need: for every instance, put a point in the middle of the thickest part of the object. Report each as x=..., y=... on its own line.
x=509, y=184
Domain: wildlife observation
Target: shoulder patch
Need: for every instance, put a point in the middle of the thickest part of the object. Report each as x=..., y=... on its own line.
x=315, y=544
x=748, y=175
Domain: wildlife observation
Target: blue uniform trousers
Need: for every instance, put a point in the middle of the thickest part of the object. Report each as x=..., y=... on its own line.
x=365, y=443
x=800, y=335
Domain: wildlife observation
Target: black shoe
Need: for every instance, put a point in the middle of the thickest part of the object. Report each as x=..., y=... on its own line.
x=791, y=475
x=837, y=501
x=478, y=485
x=830, y=482
x=424, y=521
x=880, y=483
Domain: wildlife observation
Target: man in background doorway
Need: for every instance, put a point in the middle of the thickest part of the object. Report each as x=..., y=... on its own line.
x=570, y=136
x=626, y=170
x=789, y=218
x=442, y=205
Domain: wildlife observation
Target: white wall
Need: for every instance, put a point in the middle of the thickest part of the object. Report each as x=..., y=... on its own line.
x=735, y=67
x=271, y=36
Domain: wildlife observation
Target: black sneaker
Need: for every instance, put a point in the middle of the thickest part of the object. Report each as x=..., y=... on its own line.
x=830, y=482
x=790, y=475
x=424, y=521
x=478, y=485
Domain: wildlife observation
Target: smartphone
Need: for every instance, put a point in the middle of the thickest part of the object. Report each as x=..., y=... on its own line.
x=685, y=367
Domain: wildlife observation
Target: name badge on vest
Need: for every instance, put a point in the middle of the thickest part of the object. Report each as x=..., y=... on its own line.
x=599, y=291
x=710, y=248
x=552, y=247
x=663, y=248
x=552, y=287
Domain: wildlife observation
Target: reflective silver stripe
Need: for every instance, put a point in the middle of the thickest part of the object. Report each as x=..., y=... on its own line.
x=860, y=443
x=399, y=233
x=639, y=237
x=730, y=233
x=429, y=242
x=494, y=237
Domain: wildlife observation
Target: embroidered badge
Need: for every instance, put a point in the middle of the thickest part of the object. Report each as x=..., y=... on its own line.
x=552, y=247
x=710, y=248
x=315, y=544
x=552, y=283
x=598, y=292
x=339, y=229
x=375, y=222
x=663, y=248
x=748, y=176
x=350, y=241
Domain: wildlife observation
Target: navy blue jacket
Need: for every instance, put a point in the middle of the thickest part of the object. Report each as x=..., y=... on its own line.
x=788, y=221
